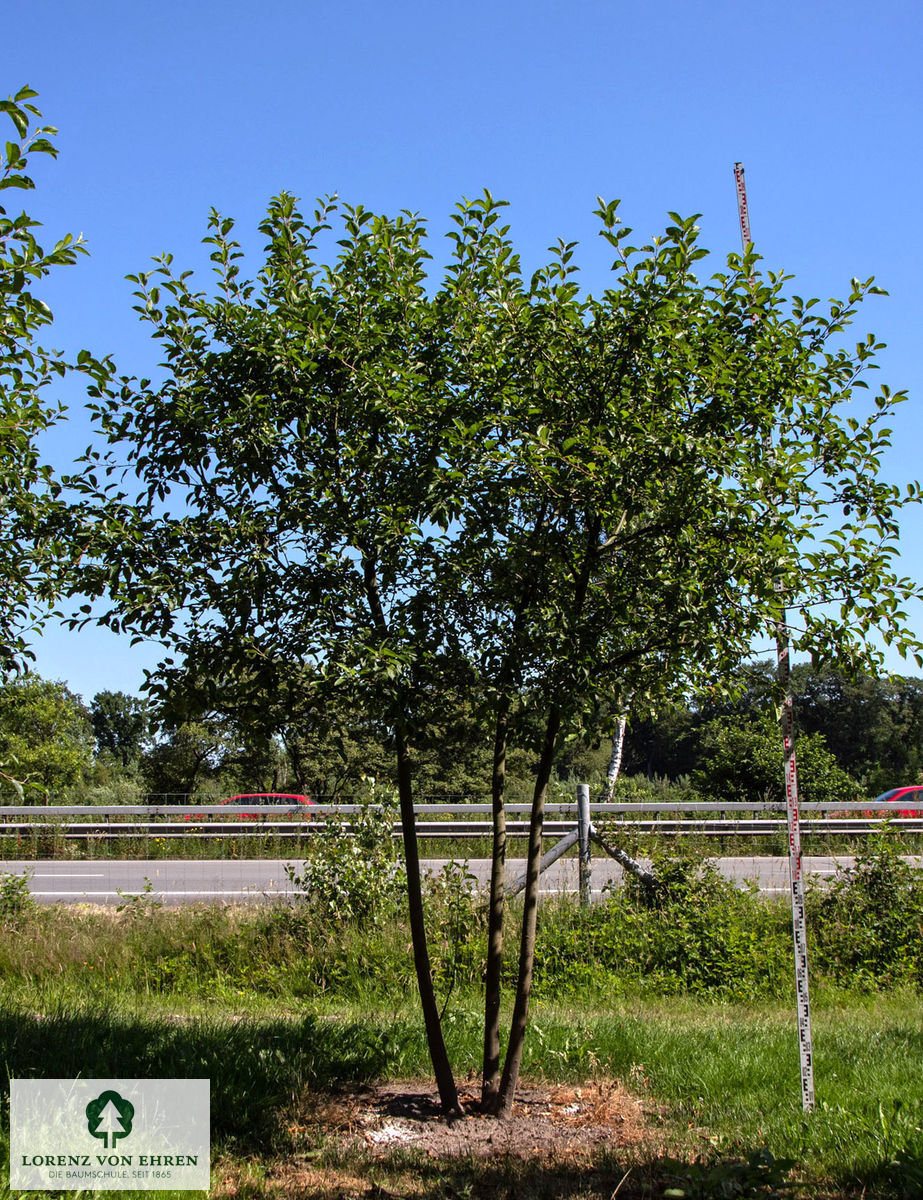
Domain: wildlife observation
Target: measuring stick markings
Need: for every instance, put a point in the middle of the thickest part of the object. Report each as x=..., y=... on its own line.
x=799, y=923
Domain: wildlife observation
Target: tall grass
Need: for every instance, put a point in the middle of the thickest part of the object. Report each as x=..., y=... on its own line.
x=697, y=934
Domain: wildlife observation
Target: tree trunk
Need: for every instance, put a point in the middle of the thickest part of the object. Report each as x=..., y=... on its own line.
x=625, y=860
x=615, y=760
x=445, y=1081
x=442, y=1068
x=490, y=1078
x=529, y=918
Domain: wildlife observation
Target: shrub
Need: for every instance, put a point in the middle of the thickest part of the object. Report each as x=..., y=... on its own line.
x=867, y=923
x=353, y=870
x=741, y=759
x=694, y=932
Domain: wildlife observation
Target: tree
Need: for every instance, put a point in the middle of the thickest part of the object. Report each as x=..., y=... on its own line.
x=874, y=725
x=285, y=733
x=33, y=550
x=871, y=724
x=186, y=757
x=739, y=760
x=120, y=726
x=667, y=468
x=45, y=738
x=379, y=489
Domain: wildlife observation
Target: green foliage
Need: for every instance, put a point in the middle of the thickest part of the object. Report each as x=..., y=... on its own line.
x=760, y=1174
x=388, y=483
x=120, y=726
x=694, y=933
x=186, y=757
x=868, y=924
x=457, y=914
x=273, y=731
x=406, y=484
x=15, y=896
x=45, y=738
x=354, y=871
x=698, y=933
x=872, y=725
x=106, y=783
x=741, y=759
x=140, y=905
x=699, y=936
x=34, y=555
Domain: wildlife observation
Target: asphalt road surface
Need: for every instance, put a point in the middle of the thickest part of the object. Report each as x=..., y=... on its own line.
x=203, y=881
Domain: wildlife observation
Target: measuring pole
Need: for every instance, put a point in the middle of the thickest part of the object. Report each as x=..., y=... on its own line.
x=783, y=675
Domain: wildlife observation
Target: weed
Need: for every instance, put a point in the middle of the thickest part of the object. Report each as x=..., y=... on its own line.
x=353, y=871
x=138, y=905
x=15, y=897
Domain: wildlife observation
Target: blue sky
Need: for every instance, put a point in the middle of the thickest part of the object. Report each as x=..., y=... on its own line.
x=166, y=110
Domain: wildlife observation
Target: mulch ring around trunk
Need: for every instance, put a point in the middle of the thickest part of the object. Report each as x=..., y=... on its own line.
x=555, y=1120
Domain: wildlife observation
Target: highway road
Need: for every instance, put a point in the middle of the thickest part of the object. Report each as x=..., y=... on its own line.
x=185, y=881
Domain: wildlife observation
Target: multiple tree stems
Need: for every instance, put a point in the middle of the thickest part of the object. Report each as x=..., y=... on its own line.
x=520, y=1017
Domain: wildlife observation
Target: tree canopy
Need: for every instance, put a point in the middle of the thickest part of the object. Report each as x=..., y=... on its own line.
x=33, y=551
x=355, y=481
x=120, y=726
x=46, y=739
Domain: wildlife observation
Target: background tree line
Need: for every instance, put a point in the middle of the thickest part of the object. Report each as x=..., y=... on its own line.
x=857, y=737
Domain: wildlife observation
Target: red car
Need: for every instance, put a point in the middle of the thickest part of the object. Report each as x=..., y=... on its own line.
x=901, y=795
x=264, y=799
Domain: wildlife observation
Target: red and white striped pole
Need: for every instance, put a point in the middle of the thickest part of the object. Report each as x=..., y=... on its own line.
x=783, y=674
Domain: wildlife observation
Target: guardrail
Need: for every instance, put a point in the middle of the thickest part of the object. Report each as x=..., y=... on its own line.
x=439, y=821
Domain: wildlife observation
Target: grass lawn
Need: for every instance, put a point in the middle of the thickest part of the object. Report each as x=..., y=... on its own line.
x=700, y=1097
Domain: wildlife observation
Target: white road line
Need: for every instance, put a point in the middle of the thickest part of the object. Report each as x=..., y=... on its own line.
x=70, y=875
x=115, y=892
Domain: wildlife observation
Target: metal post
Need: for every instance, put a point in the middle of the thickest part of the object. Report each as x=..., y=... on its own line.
x=583, y=831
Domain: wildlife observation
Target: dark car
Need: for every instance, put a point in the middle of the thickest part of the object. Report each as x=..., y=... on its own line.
x=269, y=799
x=902, y=796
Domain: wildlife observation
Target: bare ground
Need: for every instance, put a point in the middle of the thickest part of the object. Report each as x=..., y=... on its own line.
x=545, y=1121
x=392, y=1140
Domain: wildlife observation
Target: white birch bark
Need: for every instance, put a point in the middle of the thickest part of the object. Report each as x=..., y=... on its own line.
x=625, y=860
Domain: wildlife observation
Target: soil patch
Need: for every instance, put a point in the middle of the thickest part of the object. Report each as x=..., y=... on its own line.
x=553, y=1121
x=391, y=1142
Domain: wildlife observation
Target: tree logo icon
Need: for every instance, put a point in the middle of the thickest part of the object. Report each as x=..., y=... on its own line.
x=109, y=1117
